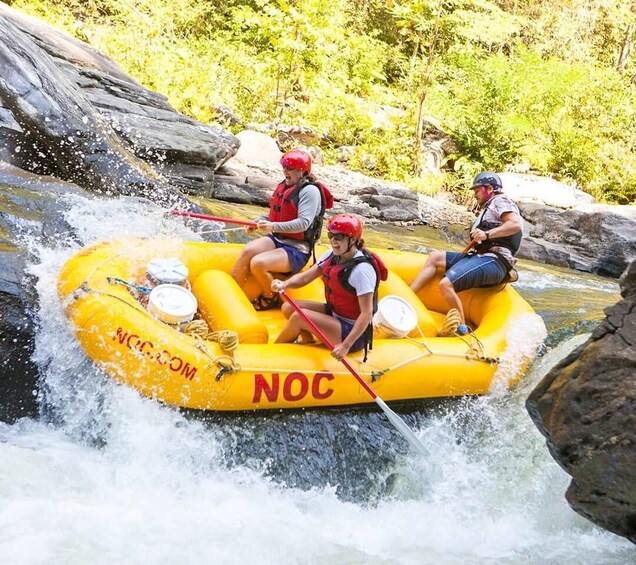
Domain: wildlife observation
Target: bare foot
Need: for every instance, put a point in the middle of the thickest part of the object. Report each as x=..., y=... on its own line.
x=305, y=338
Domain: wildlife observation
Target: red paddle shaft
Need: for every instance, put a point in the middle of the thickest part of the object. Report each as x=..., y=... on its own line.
x=399, y=424
x=328, y=343
x=469, y=246
x=213, y=218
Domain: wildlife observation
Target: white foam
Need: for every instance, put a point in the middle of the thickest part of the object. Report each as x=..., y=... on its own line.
x=112, y=477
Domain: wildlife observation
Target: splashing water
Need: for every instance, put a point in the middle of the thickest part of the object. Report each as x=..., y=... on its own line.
x=107, y=476
x=524, y=342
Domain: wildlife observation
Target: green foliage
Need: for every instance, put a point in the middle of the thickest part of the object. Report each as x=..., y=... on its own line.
x=515, y=83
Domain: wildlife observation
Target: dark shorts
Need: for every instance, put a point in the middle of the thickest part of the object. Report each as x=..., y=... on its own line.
x=345, y=330
x=297, y=258
x=473, y=271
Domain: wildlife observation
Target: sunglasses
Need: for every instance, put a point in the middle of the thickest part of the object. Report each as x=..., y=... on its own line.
x=336, y=236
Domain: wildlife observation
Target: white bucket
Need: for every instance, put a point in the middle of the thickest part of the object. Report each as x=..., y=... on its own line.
x=167, y=271
x=172, y=304
x=395, y=317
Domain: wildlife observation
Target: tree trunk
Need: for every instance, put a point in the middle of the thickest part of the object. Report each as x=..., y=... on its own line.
x=626, y=48
x=417, y=152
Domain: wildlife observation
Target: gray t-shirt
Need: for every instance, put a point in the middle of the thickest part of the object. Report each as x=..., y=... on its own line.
x=499, y=205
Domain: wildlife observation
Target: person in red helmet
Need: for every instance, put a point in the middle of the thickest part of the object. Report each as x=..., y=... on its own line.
x=351, y=275
x=294, y=223
x=497, y=234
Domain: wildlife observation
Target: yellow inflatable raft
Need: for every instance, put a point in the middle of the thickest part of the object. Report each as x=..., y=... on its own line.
x=236, y=366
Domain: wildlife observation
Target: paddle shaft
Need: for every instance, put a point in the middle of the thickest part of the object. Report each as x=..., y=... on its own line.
x=328, y=343
x=469, y=246
x=399, y=424
x=198, y=216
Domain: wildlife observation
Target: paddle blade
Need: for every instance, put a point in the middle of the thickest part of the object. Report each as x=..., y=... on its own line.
x=401, y=427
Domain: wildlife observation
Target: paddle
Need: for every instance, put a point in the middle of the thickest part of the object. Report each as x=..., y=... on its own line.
x=249, y=223
x=469, y=246
x=399, y=424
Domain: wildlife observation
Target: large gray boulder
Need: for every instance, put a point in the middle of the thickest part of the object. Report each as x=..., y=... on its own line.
x=597, y=239
x=586, y=408
x=68, y=110
x=543, y=190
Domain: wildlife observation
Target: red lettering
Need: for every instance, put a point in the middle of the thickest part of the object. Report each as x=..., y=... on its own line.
x=262, y=386
x=289, y=382
x=179, y=363
x=174, y=362
x=188, y=372
x=315, y=386
x=119, y=334
x=163, y=357
x=136, y=344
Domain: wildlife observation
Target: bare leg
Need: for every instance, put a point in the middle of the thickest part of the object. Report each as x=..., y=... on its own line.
x=264, y=264
x=295, y=325
x=241, y=269
x=448, y=292
x=435, y=260
x=287, y=310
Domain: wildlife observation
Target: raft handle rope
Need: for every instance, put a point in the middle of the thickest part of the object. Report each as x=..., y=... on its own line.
x=451, y=323
x=117, y=280
x=227, y=340
x=197, y=329
x=475, y=349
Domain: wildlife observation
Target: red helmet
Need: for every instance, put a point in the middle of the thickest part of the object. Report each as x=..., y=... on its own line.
x=296, y=159
x=346, y=223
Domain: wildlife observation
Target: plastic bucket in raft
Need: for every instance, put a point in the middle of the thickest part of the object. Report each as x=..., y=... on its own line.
x=167, y=271
x=395, y=318
x=172, y=304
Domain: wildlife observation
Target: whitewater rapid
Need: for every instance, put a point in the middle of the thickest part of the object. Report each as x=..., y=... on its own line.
x=106, y=476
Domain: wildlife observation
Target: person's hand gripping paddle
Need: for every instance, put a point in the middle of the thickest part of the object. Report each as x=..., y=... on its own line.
x=399, y=424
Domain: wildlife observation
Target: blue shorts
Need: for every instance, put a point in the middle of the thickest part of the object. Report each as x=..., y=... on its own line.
x=297, y=258
x=471, y=271
x=345, y=330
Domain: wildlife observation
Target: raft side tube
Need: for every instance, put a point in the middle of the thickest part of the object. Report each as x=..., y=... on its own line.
x=224, y=306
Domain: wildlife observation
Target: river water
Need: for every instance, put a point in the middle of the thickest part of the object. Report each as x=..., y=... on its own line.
x=105, y=476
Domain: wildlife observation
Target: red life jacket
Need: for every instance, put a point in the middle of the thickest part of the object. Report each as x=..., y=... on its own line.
x=283, y=207
x=339, y=294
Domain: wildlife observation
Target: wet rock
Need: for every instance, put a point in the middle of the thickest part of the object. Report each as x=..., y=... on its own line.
x=32, y=215
x=18, y=373
x=600, y=240
x=33, y=208
x=323, y=458
x=81, y=118
x=586, y=409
